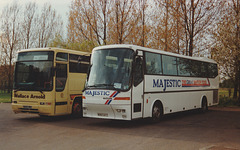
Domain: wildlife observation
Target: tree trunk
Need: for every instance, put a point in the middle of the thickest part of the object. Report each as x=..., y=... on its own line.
x=10, y=77
x=236, y=83
x=166, y=26
x=239, y=81
x=191, y=29
x=143, y=23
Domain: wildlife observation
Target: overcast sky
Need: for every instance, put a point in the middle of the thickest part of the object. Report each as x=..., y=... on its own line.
x=61, y=6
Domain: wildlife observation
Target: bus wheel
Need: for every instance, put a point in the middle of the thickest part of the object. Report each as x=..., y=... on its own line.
x=204, y=107
x=157, y=112
x=77, y=109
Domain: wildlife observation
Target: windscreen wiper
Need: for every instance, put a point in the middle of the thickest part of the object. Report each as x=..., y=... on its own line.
x=99, y=85
x=18, y=89
x=40, y=90
x=15, y=90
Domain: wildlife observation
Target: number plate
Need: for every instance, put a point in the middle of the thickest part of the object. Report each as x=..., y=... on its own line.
x=27, y=107
x=103, y=114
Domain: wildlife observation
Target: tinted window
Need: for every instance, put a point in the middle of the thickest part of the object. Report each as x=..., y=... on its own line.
x=169, y=65
x=62, y=57
x=138, y=74
x=184, y=67
x=78, y=63
x=61, y=76
x=204, y=69
x=196, y=72
x=111, y=68
x=33, y=71
x=35, y=56
x=34, y=75
x=153, y=63
x=213, y=71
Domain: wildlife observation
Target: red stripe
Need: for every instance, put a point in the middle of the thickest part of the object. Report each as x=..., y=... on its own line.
x=113, y=93
x=195, y=84
x=122, y=98
x=106, y=102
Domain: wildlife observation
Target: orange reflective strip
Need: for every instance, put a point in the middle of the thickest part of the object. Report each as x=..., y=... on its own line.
x=73, y=96
x=122, y=98
x=83, y=97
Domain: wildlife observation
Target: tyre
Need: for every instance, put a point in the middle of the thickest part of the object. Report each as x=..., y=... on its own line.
x=77, y=109
x=204, y=107
x=157, y=112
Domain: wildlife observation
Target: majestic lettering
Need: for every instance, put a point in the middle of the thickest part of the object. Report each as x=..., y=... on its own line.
x=93, y=93
x=166, y=83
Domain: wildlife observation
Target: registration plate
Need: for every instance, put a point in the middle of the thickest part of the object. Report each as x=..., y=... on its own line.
x=103, y=114
x=27, y=107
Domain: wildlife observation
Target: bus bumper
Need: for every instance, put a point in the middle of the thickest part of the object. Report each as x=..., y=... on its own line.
x=119, y=112
x=33, y=109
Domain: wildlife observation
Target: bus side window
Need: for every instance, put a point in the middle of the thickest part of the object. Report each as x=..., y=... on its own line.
x=138, y=71
x=61, y=76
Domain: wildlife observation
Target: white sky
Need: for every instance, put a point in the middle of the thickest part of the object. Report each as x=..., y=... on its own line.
x=61, y=6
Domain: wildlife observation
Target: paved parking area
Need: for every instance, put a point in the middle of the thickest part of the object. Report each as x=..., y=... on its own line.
x=218, y=129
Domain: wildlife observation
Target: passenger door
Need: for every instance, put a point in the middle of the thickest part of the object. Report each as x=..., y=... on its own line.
x=137, y=89
x=61, y=84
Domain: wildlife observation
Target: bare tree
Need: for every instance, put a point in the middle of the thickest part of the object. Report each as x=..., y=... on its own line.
x=198, y=15
x=10, y=37
x=227, y=47
x=49, y=25
x=29, y=25
x=125, y=19
x=143, y=7
x=88, y=20
x=163, y=25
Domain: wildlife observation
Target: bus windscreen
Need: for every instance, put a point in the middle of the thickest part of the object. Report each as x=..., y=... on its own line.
x=33, y=71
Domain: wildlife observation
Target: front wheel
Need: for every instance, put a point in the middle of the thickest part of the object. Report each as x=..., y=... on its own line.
x=157, y=112
x=77, y=110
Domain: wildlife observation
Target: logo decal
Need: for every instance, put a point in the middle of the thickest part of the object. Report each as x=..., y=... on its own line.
x=114, y=94
x=93, y=93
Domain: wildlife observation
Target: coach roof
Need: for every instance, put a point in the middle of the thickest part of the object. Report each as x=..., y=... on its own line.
x=135, y=48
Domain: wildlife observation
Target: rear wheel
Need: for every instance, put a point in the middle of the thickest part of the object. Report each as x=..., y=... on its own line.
x=77, y=109
x=204, y=105
x=157, y=112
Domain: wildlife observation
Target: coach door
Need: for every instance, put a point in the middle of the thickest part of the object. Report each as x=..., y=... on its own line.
x=137, y=90
x=61, y=82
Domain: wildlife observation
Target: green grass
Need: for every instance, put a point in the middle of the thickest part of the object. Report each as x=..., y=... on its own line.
x=5, y=97
x=225, y=100
x=223, y=92
x=228, y=102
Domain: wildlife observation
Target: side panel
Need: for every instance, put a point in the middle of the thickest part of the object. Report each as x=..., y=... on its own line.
x=76, y=82
x=76, y=85
x=176, y=101
x=177, y=93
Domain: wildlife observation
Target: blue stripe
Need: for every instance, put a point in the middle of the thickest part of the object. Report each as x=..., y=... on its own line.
x=115, y=94
x=109, y=102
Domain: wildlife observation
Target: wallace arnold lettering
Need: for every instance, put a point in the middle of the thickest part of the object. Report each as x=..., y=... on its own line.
x=29, y=96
